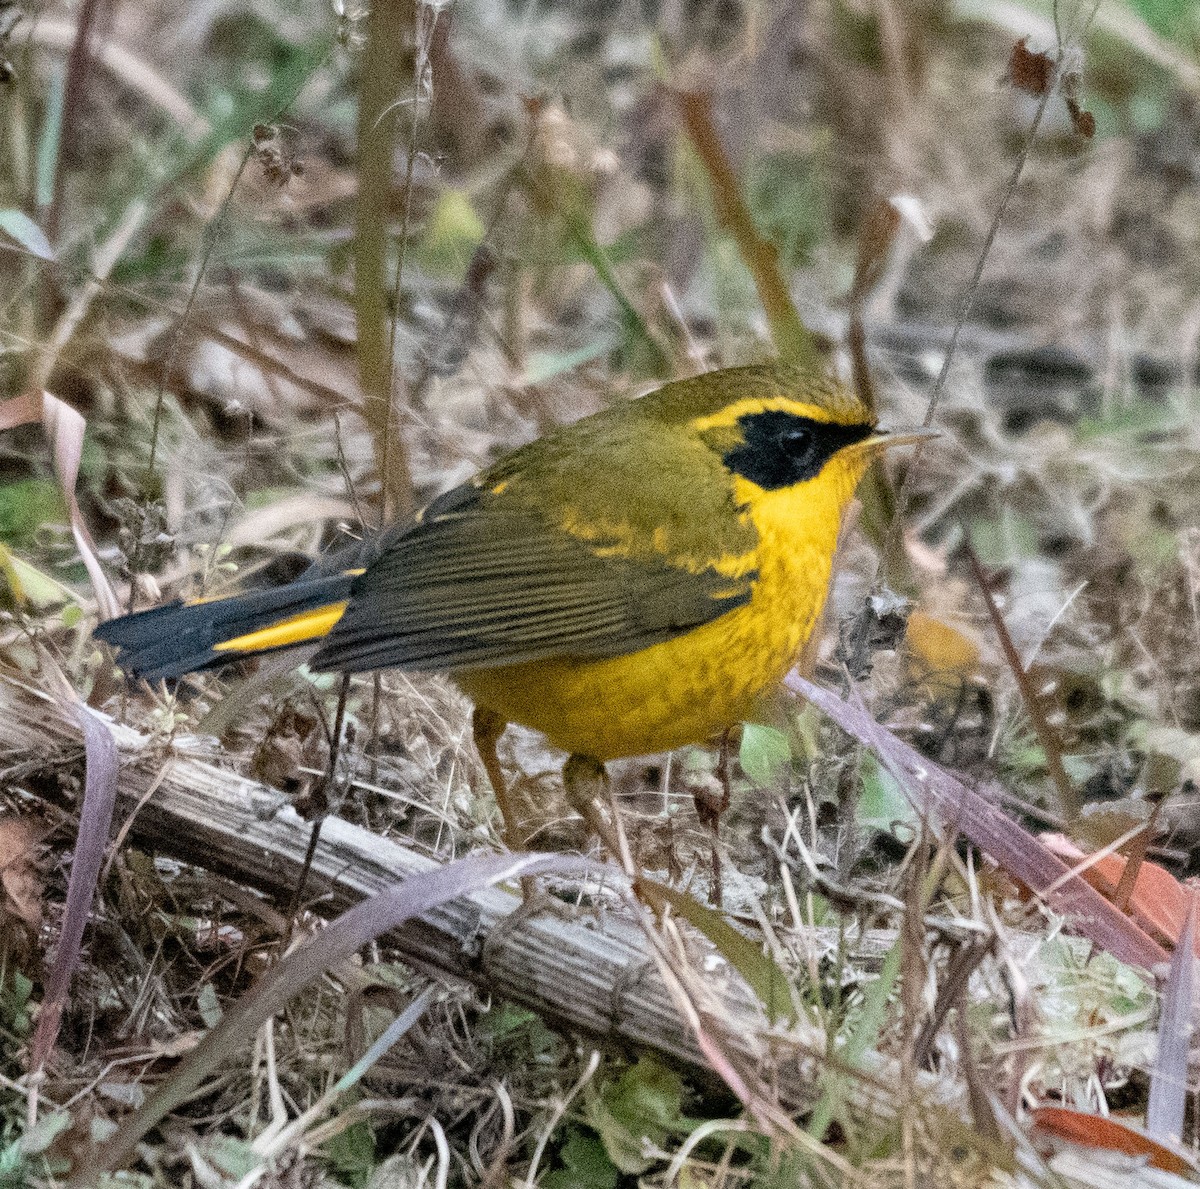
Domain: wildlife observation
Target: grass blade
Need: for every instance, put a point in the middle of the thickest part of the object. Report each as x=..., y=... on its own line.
x=761, y=972
x=19, y=226
x=792, y=338
x=1068, y=799
x=1169, y=1078
x=65, y=428
x=95, y=823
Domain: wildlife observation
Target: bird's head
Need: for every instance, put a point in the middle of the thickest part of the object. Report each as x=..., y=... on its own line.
x=777, y=428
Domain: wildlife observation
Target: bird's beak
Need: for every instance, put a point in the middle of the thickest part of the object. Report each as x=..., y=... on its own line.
x=883, y=439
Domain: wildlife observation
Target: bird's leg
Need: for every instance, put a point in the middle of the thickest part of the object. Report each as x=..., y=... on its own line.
x=586, y=784
x=487, y=727
x=709, y=810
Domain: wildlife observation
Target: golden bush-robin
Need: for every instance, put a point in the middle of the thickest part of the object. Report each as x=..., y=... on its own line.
x=627, y=584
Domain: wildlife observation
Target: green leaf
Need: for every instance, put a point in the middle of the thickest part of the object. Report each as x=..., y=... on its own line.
x=1005, y=539
x=28, y=585
x=643, y=1104
x=26, y=232
x=14, y=1004
x=1170, y=18
x=101, y=1129
x=585, y=1165
x=452, y=233
x=25, y=506
x=545, y=365
x=44, y=1132
x=765, y=754
x=883, y=803
x=48, y=141
x=125, y=1180
x=518, y=1037
x=12, y=1166
x=352, y=1152
x=505, y=1022
x=1174, y=743
x=787, y=198
x=236, y=1158
x=209, y=1006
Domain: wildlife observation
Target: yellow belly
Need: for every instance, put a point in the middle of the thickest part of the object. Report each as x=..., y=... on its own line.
x=690, y=688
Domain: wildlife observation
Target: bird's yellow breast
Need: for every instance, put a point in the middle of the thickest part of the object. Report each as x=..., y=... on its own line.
x=689, y=688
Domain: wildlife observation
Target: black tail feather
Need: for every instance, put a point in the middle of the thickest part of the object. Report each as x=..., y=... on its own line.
x=180, y=638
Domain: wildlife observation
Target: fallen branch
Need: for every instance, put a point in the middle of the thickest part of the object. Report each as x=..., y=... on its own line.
x=591, y=974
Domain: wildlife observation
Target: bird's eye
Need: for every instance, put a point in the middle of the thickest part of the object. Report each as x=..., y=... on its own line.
x=796, y=440
x=780, y=448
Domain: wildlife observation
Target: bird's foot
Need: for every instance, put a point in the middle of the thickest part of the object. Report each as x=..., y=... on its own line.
x=588, y=790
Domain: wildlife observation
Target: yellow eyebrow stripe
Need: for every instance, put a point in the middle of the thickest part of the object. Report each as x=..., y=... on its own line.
x=730, y=414
x=308, y=625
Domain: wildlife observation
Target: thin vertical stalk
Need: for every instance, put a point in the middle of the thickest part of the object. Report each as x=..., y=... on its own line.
x=390, y=25
x=78, y=64
x=793, y=340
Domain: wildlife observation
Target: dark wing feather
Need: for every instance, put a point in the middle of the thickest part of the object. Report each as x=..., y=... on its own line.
x=485, y=580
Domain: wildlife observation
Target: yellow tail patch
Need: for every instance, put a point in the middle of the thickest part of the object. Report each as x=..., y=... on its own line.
x=308, y=625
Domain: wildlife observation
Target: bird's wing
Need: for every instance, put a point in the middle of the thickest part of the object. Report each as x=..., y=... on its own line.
x=503, y=570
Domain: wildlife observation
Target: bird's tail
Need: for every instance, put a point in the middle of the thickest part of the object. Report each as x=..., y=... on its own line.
x=180, y=637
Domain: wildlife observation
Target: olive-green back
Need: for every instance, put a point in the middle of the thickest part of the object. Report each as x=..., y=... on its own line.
x=601, y=538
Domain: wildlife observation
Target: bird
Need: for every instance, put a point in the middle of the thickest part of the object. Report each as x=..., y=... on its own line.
x=626, y=584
